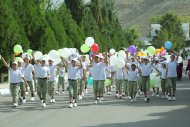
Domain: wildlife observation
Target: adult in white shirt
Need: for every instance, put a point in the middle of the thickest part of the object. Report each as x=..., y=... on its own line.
x=51, y=82
x=73, y=69
x=145, y=69
x=15, y=76
x=28, y=75
x=172, y=75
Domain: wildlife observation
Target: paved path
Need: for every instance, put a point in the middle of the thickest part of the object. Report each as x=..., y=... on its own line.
x=111, y=112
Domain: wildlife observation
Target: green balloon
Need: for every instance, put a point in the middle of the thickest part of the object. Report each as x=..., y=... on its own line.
x=17, y=48
x=107, y=82
x=84, y=48
x=29, y=51
x=151, y=50
x=17, y=59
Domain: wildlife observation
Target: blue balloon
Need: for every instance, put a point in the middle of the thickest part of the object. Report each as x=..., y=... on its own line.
x=90, y=81
x=168, y=45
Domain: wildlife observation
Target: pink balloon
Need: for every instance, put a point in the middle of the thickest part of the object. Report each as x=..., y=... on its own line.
x=95, y=47
x=162, y=53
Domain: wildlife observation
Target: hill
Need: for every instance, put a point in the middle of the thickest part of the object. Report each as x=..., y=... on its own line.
x=139, y=12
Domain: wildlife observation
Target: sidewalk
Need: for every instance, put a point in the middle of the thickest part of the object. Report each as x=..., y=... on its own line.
x=4, y=88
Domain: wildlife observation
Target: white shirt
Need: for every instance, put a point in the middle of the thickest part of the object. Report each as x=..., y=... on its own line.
x=73, y=72
x=132, y=75
x=43, y=71
x=36, y=68
x=62, y=72
x=28, y=72
x=21, y=69
x=98, y=71
x=172, y=66
x=108, y=71
x=119, y=74
x=15, y=75
x=146, y=69
x=125, y=74
x=52, y=70
x=157, y=66
x=163, y=73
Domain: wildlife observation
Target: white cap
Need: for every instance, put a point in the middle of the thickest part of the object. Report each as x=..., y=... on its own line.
x=43, y=59
x=75, y=59
x=156, y=59
x=20, y=60
x=15, y=63
x=146, y=58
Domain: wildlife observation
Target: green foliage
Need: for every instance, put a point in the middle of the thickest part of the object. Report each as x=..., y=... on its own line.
x=171, y=30
x=132, y=35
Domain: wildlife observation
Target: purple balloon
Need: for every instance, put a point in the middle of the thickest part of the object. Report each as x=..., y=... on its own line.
x=132, y=49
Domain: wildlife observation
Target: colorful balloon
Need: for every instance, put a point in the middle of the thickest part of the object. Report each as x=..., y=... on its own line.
x=84, y=48
x=132, y=49
x=95, y=48
x=151, y=50
x=168, y=45
x=107, y=82
x=90, y=81
x=17, y=48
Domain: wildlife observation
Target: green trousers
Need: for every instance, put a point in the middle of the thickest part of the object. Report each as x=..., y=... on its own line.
x=14, y=89
x=61, y=82
x=73, y=89
x=42, y=89
x=51, y=88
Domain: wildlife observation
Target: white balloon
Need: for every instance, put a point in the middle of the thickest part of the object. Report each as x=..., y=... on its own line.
x=57, y=61
x=66, y=53
x=120, y=64
x=89, y=41
x=53, y=54
x=112, y=51
x=38, y=55
x=122, y=55
x=113, y=60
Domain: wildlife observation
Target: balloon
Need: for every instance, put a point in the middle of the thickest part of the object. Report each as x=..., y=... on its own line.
x=38, y=55
x=17, y=48
x=152, y=79
x=168, y=45
x=89, y=41
x=122, y=55
x=151, y=50
x=113, y=60
x=112, y=51
x=66, y=53
x=119, y=64
x=162, y=53
x=29, y=51
x=90, y=81
x=107, y=82
x=84, y=48
x=139, y=54
x=57, y=61
x=17, y=59
x=53, y=54
x=162, y=49
x=95, y=47
x=132, y=49
x=16, y=54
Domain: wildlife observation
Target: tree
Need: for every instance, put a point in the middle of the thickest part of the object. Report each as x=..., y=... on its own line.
x=171, y=30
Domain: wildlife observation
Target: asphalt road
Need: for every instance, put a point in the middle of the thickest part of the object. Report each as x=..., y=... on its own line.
x=111, y=112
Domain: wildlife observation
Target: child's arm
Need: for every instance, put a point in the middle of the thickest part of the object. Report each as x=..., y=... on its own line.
x=4, y=62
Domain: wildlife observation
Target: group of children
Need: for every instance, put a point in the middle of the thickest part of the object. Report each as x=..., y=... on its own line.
x=133, y=77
